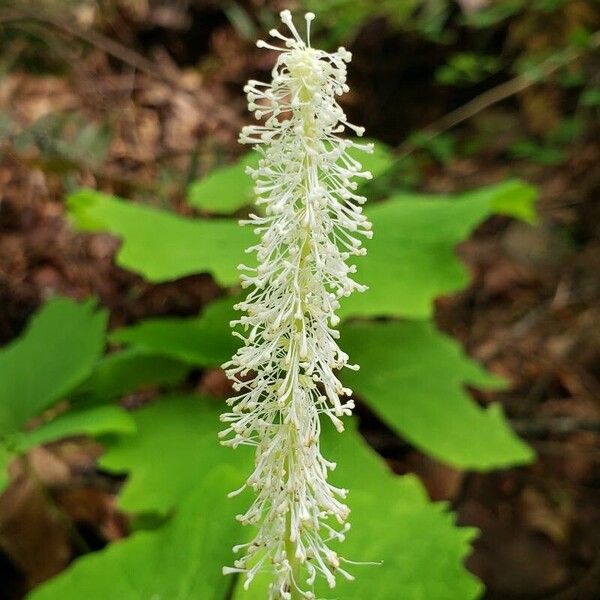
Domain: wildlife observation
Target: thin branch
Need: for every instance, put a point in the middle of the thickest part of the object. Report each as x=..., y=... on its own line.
x=115, y=49
x=559, y=426
x=497, y=94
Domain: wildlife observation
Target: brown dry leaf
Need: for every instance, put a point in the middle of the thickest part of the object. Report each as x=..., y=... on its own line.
x=442, y=482
x=542, y=247
x=503, y=554
x=541, y=106
x=32, y=97
x=48, y=468
x=31, y=533
x=183, y=122
x=94, y=511
x=215, y=383
x=539, y=515
x=469, y=6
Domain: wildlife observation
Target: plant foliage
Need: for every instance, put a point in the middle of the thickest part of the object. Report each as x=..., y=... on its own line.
x=180, y=561
x=57, y=351
x=177, y=476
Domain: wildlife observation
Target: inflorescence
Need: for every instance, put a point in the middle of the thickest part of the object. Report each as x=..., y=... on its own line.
x=310, y=223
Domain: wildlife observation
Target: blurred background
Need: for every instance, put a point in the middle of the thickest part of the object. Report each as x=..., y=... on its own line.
x=139, y=98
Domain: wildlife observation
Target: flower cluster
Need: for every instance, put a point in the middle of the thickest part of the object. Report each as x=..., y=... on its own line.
x=310, y=223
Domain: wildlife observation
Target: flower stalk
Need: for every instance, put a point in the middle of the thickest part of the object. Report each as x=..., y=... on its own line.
x=310, y=223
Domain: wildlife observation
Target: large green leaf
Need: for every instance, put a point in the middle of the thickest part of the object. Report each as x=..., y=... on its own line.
x=411, y=259
x=56, y=353
x=58, y=350
x=124, y=372
x=204, y=340
x=162, y=246
x=175, y=445
x=418, y=550
x=226, y=189
x=413, y=377
x=5, y=458
x=95, y=421
x=180, y=561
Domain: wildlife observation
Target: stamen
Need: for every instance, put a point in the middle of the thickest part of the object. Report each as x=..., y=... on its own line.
x=309, y=16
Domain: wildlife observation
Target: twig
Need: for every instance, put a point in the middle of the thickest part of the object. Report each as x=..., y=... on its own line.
x=452, y=119
x=102, y=42
x=560, y=426
x=106, y=44
x=116, y=50
x=497, y=94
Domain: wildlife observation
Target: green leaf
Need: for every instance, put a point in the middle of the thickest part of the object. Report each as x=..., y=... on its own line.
x=203, y=341
x=534, y=151
x=124, y=372
x=418, y=550
x=590, y=97
x=182, y=560
x=467, y=68
x=432, y=410
x=421, y=549
x=58, y=350
x=378, y=161
x=492, y=14
x=162, y=246
x=95, y=421
x=512, y=198
x=176, y=443
x=5, y=458
x=411, y=259
x=226, y=189
x=413, y=377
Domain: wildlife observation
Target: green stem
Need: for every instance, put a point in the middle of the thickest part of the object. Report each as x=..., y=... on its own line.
x=290, y=546
x=290, y=550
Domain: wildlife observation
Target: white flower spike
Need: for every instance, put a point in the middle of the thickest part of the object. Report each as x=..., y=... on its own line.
x=310, y=224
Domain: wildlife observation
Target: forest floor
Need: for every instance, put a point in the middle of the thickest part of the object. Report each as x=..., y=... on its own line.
x=531, y=313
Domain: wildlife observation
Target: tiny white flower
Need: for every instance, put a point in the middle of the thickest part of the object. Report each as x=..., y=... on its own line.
x=310, y=224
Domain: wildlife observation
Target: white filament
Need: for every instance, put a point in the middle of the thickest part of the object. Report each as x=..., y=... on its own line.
x=310, y=224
